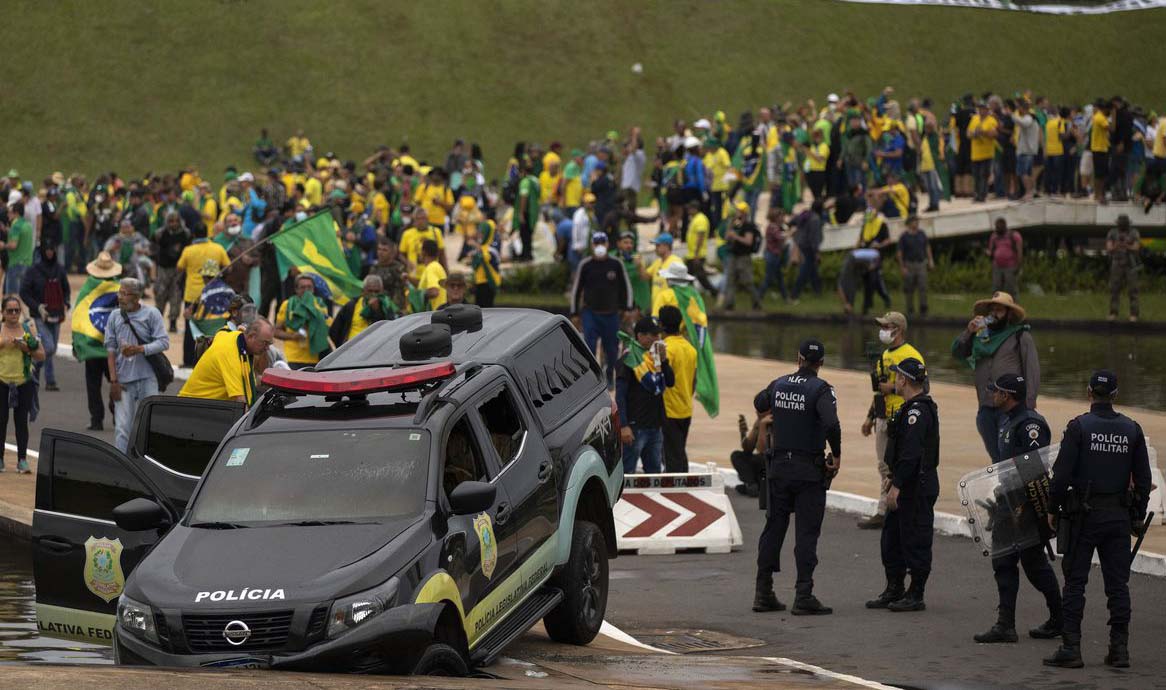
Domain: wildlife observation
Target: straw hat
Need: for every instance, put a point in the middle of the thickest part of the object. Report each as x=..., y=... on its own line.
x=1000, y=299
x=103, y=266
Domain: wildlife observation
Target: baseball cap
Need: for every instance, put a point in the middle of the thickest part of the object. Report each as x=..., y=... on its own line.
x=691, y=143
x=599, y=238
x=1103, y=382
x=1010, y=383
x=647, y=325
x=911, y=368
x=246, y=177
x=813, y=351
x=626, y=235
x=588, y=198
x=702, y=123
x=663, y=238
x=893, y=318
x=832, y=98
x=741, y=207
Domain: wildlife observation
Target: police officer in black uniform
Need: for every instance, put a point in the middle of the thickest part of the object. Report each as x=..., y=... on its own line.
x=1021, y=430
x=1100, y=453
x=805, y=419
x=913, y=456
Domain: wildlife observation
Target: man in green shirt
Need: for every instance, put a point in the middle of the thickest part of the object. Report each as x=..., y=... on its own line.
x=526, y=207
x=20, y=242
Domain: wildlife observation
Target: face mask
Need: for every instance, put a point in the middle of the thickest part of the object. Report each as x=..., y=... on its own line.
x=886, y=336
x=600, y=251
x=234, y=230
x=301, y=216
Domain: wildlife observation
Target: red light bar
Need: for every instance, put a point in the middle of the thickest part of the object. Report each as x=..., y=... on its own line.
x=355, y=380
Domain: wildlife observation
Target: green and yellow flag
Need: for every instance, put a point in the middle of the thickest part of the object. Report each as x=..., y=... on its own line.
x=95, y=302
x=696, y=323
x=313, y=247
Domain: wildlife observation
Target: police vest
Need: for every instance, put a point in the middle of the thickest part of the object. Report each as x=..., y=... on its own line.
x=1026, y=432
x=898, y=425
x=796, y=426
x=1106, y=460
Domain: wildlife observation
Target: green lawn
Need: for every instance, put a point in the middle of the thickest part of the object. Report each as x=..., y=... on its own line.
x=135, y=87
x=1078, y=307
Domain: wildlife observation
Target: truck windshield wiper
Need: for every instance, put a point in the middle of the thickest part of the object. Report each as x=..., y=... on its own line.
x=321, y=523
x=218, y=525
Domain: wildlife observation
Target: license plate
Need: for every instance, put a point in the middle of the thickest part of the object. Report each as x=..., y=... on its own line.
x=240, y=662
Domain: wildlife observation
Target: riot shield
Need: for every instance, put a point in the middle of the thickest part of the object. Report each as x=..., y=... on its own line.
x=1008, y=503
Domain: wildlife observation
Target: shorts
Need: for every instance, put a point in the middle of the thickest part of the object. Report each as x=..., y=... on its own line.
x=1024, y=164
x=1101, y=164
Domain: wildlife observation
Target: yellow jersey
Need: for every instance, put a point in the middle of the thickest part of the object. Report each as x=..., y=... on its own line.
x=697, y=238
x=654, y=268
x=983, y=147
x=428, y=197
x=192, y=260
x=1054, y=128
x=678, y=396
x=432, y=275
x=297, y=351
x=1099, y=133
x=890, y=357
x=411, y=241
x=1159, y=149
x=223, y=372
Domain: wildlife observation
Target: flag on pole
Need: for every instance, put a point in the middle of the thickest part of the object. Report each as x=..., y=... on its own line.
x=313, y=247
x=95, y=302
x=696, y=323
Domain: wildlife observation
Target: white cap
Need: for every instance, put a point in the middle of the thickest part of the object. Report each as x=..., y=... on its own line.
x=246, y=177
x=691, y=143
x=702, y=123
x=832, y=98
x=14, y=196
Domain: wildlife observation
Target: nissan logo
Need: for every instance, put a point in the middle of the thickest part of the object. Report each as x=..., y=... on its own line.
x=236, y=633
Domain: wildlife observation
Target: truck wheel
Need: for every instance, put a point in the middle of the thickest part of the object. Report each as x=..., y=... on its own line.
x=440, y=659
x=576, y=620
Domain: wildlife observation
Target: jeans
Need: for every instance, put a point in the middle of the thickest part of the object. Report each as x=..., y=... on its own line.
x=50, y=334
x=1053, y=173
x=914, y=281
x=774, y=266
x=132, y=393
x=855, y=176
x=807, y=272
x=980, y=171
x=934, y=189
x=647, y=445
x=988, y=424
x=13, y=278
x=603, y=329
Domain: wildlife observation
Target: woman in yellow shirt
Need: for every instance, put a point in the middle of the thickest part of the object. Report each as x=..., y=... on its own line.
x=19, y=348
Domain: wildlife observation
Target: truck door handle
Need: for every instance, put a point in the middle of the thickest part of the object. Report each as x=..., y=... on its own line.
x=544, y=470
x=502, y=514
x=56, y=545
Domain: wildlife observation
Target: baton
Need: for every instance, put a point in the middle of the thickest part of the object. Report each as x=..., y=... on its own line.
x=1145, y=528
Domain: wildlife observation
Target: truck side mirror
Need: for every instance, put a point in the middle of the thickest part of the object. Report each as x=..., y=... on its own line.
x=140, y=515
x=471, y=497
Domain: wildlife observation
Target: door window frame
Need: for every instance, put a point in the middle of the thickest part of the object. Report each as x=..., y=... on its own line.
x=492, y=390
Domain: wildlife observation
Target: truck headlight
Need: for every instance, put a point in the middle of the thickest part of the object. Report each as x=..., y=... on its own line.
x=350, y=611
x=137, y=617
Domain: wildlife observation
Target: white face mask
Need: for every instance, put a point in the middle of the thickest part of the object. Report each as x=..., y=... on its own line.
x=886, y=336
x=301, y=215
x=599, y=250
x=234, y=230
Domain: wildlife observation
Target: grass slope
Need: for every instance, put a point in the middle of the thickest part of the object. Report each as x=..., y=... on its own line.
x=135, y=86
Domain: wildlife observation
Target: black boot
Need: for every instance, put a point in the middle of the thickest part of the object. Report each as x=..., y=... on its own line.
x=1049, y=630
x=1003, y=631
x=1119, y=652
x=763, y=597
x=893, y=592
x=808, y=605
x=913, y=599
x=1068, y=654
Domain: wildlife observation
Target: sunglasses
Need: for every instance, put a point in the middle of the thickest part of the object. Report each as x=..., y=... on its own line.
x=11, y=311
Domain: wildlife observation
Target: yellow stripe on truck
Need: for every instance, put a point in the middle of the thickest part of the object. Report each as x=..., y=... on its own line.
x=75, y=624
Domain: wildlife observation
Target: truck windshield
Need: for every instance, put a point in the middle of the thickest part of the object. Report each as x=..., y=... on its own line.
x=316, y=478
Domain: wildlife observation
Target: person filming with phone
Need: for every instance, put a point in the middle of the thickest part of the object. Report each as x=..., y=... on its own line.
x=997, y=341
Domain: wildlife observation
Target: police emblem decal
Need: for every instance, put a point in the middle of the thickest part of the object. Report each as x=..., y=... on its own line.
x=103, y=574
x=484, y=528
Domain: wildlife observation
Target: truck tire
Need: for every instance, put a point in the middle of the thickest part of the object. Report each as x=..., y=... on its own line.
x=577, y=619
x=440, y=659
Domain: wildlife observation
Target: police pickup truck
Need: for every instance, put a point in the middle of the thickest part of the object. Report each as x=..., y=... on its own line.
x=420, y=499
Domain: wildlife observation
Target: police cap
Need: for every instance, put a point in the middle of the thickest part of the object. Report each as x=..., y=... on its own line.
x=1013, y=384
x=813, y=351
x=1103, y=382
x=911, y=369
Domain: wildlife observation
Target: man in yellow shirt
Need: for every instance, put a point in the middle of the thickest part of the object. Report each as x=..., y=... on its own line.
x=302, y=324
x=817, y=152
x=1099, y=148
x=1055, y=128
x=193, y=260
x=678, y=396
x=717, y=162
x=432, y=280
x=664, y=258
x=298, y=145
x=226, y=370
x=435, y=198
x=414, y=235
x=893, y=334
x=696, y=242
x=982, y=133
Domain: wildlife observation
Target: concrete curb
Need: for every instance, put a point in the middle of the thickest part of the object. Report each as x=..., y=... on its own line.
x=947, y=524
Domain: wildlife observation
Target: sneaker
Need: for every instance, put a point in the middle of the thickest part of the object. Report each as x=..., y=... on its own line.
x=872, y=522
x=52, y=387
x=810, y=606
x=22, y=467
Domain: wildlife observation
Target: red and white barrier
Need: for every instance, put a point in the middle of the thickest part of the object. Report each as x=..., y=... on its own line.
x=664, y=513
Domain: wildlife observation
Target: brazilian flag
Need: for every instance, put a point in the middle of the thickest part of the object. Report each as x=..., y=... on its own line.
x=213, y=310
x=95, y=302
x=696, y=323
x=313, y=247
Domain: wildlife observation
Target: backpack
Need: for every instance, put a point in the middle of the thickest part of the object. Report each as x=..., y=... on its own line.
x=54, y=297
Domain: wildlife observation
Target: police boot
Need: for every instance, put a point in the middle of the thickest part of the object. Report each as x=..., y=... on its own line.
x=763, y=597
x=893, y=592
x=1049, y=630
x=808, y=605
x=1003, y=631
x=912, y=600
x=1119, y=653
x=1068, y=654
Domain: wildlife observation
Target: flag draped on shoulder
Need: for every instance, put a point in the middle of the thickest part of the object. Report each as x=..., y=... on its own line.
x=696, y=323
x=642, y=366
x=313, y=247
x=214, y=307
x=96, y=300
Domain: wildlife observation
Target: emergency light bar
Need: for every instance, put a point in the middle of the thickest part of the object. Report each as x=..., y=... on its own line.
x=355, y=381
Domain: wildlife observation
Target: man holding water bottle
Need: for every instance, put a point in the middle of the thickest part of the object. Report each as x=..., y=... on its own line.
x=996, y=342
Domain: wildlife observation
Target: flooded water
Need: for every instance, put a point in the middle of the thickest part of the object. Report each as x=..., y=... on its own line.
x=1066, y=356
x=19, y=639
